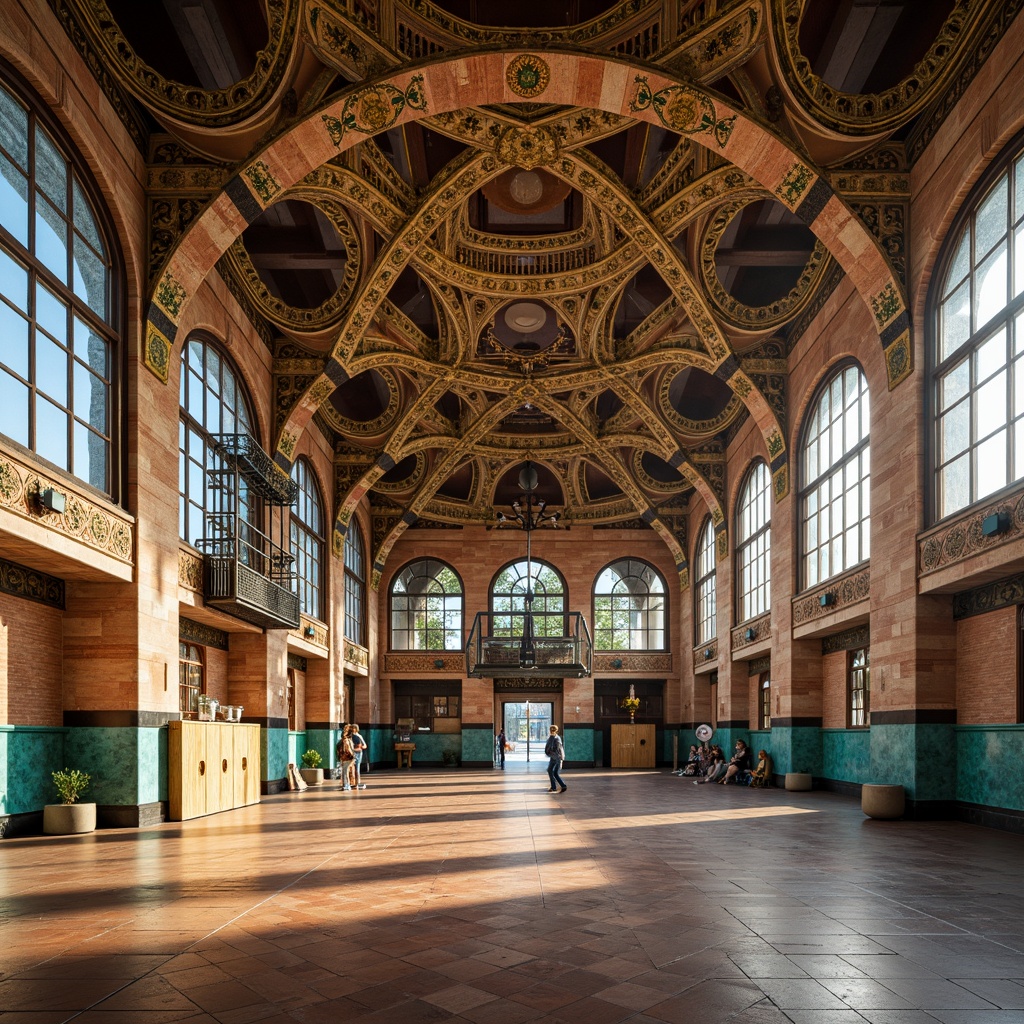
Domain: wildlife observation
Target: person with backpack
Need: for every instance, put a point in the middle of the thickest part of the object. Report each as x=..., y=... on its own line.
x=358, y=747
x=555, y=752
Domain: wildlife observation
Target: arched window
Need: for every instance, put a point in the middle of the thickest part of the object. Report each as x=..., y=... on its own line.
x=835, y=500
x=705, y=593
x=977, y=355
x=508, y=594
x=629, y=607
x=426, y=608
x=59, y=302
x=355, y=586
x=754, y=544
x=307, y=541
x=213, y=401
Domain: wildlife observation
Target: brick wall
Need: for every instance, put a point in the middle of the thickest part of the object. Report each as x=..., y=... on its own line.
x=986, y=668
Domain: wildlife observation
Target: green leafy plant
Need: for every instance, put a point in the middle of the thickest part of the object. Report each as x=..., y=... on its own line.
x=311, y=759
x=70, y=783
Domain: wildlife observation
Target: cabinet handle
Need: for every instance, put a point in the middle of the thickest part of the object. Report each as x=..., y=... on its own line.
x=202, y=767
x=224, y=765
x=245, y=764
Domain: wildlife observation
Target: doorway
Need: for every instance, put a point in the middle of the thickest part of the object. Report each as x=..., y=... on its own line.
x=526, y=729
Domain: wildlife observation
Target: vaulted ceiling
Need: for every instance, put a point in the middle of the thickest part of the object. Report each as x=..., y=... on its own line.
x=535, y=318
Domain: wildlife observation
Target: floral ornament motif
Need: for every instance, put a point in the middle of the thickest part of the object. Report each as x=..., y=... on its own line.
x=898, y=360
x=794, y=184
x=683, y=109
x=527, y=147
x=263, y=181
x=375, y=109
x=158, y=354
x=886, y=304
x=528, y=76
x=10, y=483
x=170, y=295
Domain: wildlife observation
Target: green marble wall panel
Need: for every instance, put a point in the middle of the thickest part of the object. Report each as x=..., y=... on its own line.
x=846, y=755
x=920, y=757
x=128, y=765
x=274, y=752
x=477, y=744
x=296, y=747
x=380, y=744
x=430, y=747
x=580, y=745
x=28, y=754
x=323, y=741
x=796, y=748
x=988, y=762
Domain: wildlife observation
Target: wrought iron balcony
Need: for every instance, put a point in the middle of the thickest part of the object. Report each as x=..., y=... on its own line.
x=503, y=644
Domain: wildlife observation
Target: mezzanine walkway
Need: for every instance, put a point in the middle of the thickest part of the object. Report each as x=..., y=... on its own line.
x=476, y=896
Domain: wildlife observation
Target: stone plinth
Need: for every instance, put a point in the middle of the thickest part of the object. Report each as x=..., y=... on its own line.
x=882, y=801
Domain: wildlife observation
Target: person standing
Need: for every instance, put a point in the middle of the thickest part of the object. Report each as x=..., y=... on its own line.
x=358, y=748
x=556, y=755
x=345, y=758
x=501, y=748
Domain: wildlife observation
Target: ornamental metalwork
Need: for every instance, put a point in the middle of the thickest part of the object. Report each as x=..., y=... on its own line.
x=527, y=76
x=848, y=640
x=190, y=631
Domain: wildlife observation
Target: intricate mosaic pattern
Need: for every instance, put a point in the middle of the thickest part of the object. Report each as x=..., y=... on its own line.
x=963, y=538
x=624, y=662
x=190, y=570
x=528, y=76
x=425, y=661
x=31, y=584
x=684, y=109
x=761, y=628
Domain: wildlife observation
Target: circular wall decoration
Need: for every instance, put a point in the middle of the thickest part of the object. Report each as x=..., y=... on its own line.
x=704, y=733
x=528, y=76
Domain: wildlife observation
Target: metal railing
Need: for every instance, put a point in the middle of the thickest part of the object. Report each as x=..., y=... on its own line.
x=529, y=643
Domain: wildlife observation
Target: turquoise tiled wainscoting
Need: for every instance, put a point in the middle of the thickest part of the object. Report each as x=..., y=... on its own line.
x=275, y=748
x=846, y=755
x=477, y=746
x=988, y=760
x=582, y=746
x=27, y=756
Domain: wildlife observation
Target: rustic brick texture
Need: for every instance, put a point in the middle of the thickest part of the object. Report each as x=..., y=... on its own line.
x=30, y=663
x=986, y=683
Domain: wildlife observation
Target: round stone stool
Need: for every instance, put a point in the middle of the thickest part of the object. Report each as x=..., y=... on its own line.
x=882, y=801
x=798, y=781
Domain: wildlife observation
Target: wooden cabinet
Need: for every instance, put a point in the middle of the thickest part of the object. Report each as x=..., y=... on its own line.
x=211, y=766
x=633, y=746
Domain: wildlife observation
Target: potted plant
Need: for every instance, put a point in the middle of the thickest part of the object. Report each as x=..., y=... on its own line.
x=69, y=817
x=311, y=771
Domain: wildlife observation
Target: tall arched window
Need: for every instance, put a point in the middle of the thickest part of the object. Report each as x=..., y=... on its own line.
x=508, y=594
x=978, y=351
x=706, y=591
x=426, y=608
x=59, y=301
x=355, y=586
x=629, y=607
x=835, y=499
x=754, y=543
x=307, y=541
x=213, y=401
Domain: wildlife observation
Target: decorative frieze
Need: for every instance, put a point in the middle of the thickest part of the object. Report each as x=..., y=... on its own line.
x=426, y=661
x=31, y=584
x=848, y=640
x=752, y=632
x=629, y=662
x=1002, y=593
x=758, y=665
x=296, y=662
x=705, y=653
x=98, y=528
x=831, y=597
x=544, y=684
x=190, y=570
x=963, y=538
x=200, y=633
x=312, y=631
x=356, y=656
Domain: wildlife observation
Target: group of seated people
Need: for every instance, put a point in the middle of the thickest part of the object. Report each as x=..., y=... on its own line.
x=707, y=763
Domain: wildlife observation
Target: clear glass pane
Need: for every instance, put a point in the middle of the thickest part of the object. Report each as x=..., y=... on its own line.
x=91, y=399
x=1018, y=261
x=990, y=287
x=991, y=220
x=52, y=433
x=961, y=264
x=1018, y=387
x=955, y=480
x=13, y=409
x=51, y=171
x=91, y=349
x=14, y=128
x=991, y=465
x=89, y=278
x=91, y=456
x=13, y=200
x=84, y=220
x=1018, y=177
x=1018, y=450
x=51, y=314
x=51, y=240
x=13, y=340
x=991, y=405
x=956, y=321
x=51, y=374
x=954, y=384
x=955, y=431
x=990, y=357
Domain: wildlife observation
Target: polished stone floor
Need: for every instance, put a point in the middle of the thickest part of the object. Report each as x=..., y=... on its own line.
x=476, y=896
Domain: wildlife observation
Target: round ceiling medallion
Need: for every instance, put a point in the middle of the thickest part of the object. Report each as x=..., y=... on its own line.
x=526, y=187
x=526, y=317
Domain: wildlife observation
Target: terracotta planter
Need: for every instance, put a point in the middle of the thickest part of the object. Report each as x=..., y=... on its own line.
x=68, y=819
x=312, y=776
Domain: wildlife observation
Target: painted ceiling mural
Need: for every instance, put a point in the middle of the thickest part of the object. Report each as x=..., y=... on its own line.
x=592, y=244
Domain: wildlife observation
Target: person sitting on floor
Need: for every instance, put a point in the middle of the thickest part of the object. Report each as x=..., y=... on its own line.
x=692, y=762
x=716, y=770
x=762, y=775
x=739, y=765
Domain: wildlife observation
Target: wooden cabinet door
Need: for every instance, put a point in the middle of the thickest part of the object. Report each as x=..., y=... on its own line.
x=633, y=746
x=187, y=770
x=251, y=764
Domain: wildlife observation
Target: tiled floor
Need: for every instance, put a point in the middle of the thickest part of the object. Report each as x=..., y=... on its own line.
x=479, y=897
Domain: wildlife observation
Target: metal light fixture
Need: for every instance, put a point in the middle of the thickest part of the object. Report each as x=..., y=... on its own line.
x=827, y=599
x=750, y=634
x=528, y=513
x=52, y=501
x=310, y=631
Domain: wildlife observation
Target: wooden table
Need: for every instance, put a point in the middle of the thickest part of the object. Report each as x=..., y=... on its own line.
x=403, y=754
